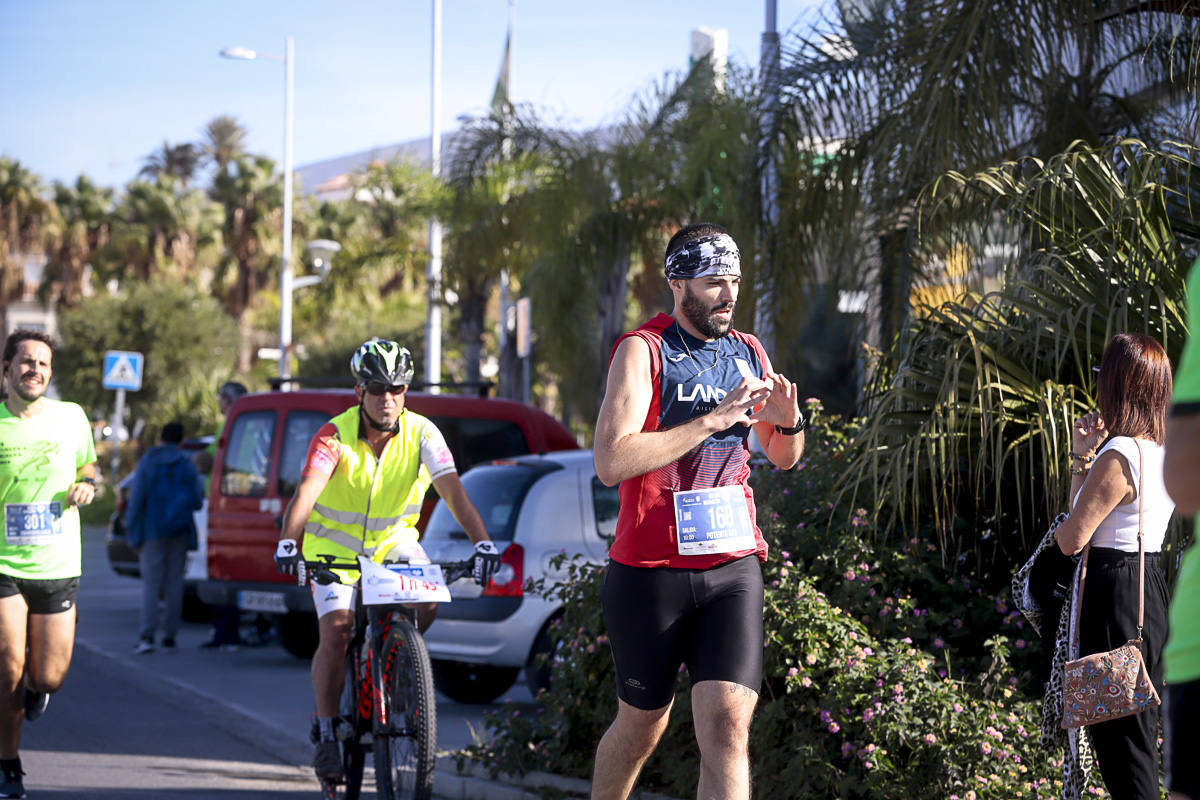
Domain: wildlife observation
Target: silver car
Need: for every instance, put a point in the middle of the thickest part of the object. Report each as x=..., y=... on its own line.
x=534, y=508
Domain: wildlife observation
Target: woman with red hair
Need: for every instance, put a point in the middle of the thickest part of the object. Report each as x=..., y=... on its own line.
x=1133, y=392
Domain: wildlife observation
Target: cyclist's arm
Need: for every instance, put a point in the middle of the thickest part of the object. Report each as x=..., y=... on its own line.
x=319, y=464
x=449, y=488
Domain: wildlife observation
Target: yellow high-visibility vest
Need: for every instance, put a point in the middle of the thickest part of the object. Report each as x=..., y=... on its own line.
x=369, y=505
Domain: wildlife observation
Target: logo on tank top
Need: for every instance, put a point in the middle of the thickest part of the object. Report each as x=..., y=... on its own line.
x=701, y=392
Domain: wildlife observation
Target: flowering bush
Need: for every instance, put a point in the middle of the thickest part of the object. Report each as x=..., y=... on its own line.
x=910, y=694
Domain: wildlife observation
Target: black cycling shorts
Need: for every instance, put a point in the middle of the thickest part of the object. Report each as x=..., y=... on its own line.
x=709, y=620
x=1183, y=737
x=52, y=596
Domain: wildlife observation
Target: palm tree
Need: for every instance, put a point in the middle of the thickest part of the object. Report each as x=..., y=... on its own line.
x=251, y=196
x=161, y=232
x=994, y=142
x=178, y=161
x=880, y=113
x=81, y=229
x=224, y=140
x=23, y=212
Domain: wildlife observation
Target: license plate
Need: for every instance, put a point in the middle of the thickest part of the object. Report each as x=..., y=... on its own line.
x=262, y=601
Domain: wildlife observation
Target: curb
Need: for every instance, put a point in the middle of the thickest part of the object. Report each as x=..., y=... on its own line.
x=475, y=784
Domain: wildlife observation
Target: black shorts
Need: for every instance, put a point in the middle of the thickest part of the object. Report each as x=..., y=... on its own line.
x=52, y=596
x=1182, y=739
x=710, y=620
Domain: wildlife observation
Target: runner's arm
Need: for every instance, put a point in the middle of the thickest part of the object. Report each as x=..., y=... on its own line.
x=83, y=490
x=782, y=409
x=623, y=450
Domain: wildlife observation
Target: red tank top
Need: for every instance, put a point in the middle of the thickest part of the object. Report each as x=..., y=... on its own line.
x=646, y=530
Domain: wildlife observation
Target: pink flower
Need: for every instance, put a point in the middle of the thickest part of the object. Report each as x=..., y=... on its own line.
x=806, y=681
x=985, y=748
x=792, y=672
x=930, y=738
x=834, y=727
x=868, y=715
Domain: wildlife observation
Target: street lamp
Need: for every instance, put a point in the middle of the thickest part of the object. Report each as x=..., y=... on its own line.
x=286, y=284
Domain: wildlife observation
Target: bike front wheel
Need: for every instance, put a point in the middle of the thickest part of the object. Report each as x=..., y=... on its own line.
x=407, y=748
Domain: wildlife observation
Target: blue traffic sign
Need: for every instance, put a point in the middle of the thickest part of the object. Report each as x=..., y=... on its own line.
x=122, y=370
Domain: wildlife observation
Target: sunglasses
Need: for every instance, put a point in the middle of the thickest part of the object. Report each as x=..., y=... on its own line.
x=379, y=389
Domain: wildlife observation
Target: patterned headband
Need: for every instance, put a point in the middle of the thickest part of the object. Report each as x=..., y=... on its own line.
x=712, y=255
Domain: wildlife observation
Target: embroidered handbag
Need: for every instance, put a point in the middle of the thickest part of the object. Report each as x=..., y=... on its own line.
x=1113, y=684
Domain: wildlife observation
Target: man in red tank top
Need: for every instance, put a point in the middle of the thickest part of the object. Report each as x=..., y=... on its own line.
x=684, y=583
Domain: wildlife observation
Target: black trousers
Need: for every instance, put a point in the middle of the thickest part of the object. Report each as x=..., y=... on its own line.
x=1127, y=748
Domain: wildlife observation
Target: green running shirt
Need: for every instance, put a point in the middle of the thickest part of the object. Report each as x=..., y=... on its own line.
x=1182, y=655
x=39, y=459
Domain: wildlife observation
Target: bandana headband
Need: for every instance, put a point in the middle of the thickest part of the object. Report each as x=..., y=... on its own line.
x=712, y=255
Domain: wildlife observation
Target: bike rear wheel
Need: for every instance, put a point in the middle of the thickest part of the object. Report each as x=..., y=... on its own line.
x=406, y=751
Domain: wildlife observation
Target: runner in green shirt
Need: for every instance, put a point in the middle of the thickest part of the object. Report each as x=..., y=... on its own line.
x=1181, y=472
x=47, y=470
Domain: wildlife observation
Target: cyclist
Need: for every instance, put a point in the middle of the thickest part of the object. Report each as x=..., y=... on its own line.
x=360, y=493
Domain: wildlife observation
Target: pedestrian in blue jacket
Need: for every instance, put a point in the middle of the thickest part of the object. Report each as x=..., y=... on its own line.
x=165, y=491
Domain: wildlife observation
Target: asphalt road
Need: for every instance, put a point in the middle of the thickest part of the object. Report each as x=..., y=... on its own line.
x=190, y=724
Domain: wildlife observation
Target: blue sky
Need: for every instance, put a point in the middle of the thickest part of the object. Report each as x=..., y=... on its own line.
x=93, y=86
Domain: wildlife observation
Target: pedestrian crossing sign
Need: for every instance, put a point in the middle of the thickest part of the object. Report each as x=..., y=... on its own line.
x=122, y=370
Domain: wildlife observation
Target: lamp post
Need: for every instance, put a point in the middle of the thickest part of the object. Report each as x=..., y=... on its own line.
x=286, y=284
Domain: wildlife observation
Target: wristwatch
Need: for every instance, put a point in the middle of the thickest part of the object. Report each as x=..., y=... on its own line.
x=799, y=427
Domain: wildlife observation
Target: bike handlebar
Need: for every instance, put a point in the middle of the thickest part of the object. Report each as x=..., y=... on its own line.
x=322, y=568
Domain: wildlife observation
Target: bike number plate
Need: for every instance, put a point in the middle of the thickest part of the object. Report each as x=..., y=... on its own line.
x=713, y=521
x=32, y=523
x=402, y=583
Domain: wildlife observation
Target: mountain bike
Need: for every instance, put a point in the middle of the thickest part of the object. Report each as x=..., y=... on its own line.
x=387, y=703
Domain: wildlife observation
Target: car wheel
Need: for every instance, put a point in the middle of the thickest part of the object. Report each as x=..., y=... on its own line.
x=297, y=633
x=541, y=660
x=472, y=683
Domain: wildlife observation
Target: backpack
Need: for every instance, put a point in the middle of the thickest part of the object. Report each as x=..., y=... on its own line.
x=176, y=490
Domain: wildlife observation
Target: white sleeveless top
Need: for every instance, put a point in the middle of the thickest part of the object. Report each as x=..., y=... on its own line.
x=1119, y=530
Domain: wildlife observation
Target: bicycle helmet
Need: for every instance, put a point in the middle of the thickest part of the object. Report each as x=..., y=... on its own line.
x=382, y=361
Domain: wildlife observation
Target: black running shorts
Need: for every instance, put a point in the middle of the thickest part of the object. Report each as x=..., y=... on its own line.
x=709, y=620
x=52, y=596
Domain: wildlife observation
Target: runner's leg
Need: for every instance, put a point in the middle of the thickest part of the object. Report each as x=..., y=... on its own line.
x=624, y=748
x=722, y=712
x=51, y=644
x=14, y=614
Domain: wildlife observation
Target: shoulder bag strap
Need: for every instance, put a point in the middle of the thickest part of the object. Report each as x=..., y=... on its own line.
x=1141, y=540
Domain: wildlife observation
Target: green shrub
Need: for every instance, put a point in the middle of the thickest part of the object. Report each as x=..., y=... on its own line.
x=885, y=675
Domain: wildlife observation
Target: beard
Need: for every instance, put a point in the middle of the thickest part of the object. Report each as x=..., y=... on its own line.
x=701, y=315
x=28, y=394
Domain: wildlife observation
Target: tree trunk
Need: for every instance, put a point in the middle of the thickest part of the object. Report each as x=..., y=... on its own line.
x=612, y=290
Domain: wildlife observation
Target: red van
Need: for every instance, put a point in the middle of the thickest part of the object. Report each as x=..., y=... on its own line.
x=257, y=466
